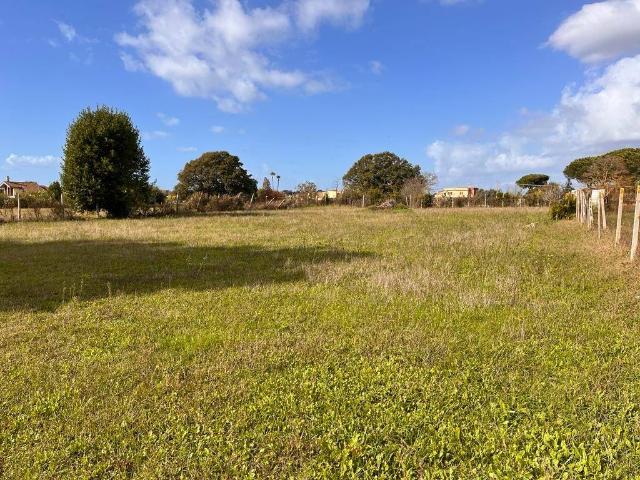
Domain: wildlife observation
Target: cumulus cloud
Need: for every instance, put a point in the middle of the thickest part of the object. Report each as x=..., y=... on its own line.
x=221, y=53
x=604, y=110
x=473, y=161
x=31, y=160
x=600, y=115
x=600, y=31
x=217, y=129
x=187, y=149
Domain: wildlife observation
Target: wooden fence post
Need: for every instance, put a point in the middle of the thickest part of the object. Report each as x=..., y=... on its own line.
x=604, y=213
x=362, y=201
x=636, y=226
x=599, y=217
x=578, y=206
x=19, y=210
x=590, y=212
x=619, y=221
x=62, y=204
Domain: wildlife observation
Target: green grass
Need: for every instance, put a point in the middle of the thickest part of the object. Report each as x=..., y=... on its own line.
x=321, y=343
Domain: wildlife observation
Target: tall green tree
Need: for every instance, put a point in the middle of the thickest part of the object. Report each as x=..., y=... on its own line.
x=380, y=175
x=104, y=165
x=215, y=173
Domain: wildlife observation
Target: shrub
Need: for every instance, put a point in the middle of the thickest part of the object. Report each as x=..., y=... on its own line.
x=563, y=208
x=225, y=203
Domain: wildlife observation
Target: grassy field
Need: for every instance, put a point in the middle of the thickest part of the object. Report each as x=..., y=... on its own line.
x=321, y=343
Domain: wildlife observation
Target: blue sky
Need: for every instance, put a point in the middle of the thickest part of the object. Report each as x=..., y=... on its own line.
x=478, y=91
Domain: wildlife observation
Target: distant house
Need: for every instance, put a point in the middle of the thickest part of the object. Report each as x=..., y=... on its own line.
x=457, y=192
x=327, y=195
x=11, y=188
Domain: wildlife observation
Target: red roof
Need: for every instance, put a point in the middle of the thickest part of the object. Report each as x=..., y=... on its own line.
x=25, y=186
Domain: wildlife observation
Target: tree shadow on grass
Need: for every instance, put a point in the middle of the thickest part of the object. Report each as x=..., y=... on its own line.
x=41, y=276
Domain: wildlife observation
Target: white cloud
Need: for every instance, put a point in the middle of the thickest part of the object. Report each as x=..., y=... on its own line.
x=168, y=120
x=217, y=129
x=600, y=115
x=221, y=54
x=473, y=162
x=154, y=135
x=67, y=31
x=80, y=47
x=600, y=31
x=131, y=64
x=187, y=149
x=310, y=13
x=604, y=110
x=376, y=67
x=31, y=160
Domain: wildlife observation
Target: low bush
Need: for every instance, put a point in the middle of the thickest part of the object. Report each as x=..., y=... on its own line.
x=563, y=208
x=225, y=203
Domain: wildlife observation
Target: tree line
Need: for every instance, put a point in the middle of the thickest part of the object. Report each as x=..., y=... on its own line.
x=105, y=168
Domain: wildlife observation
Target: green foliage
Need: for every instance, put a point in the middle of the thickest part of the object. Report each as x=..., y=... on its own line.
x=55, y=190
x=308, y=188
x=533, y=180
x=563, y=208
x=379, y=176
x=104, y=165
x=307, y=193
x=157, y=196
x=579, y=169
x=215, y=173
x=40, y=199
x=631, y=158
x=5, y=202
